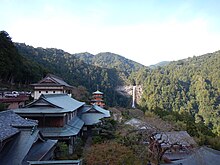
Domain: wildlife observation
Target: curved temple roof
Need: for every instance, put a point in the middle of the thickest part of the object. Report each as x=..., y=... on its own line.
x=52, y=80
x=97, y=92
x=51, y=103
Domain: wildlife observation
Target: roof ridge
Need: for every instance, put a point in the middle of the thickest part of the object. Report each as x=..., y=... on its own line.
x=54, y=95
x=210, y=149
x=53, y=76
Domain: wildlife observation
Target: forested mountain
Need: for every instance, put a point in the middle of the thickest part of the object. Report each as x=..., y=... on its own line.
x=191, y=85
x=160, y=64
x=77, y=71
x=14, y=68
x=22, y=65
x=109, y=60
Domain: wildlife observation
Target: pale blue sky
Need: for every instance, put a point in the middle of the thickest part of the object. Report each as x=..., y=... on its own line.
x=146, y=31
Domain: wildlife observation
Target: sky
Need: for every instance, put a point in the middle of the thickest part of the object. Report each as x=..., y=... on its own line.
x=146, y=31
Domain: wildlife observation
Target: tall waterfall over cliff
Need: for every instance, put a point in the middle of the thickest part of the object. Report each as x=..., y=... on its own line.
x=133, y=97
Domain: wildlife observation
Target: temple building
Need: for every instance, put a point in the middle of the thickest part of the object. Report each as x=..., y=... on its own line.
x=97, y=99
x=51, y=84
x=21, y=141
x=60, y=116
x=91, y=114
x=57, y=117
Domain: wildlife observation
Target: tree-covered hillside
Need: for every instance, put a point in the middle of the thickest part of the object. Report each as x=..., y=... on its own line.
x=109, y=60
x=14, y=68
x=77, y=72
x=160, y=64
x=191, y=85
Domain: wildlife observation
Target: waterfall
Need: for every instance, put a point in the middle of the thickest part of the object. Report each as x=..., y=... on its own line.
x=133, y=96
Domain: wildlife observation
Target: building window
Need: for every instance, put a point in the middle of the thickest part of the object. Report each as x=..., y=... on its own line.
x=39, y=91
x=54, y=92
x=46, y=91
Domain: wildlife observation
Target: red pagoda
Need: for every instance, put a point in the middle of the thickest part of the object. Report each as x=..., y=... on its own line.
x=97, y=99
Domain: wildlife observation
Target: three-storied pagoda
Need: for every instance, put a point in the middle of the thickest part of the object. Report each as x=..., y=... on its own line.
x=97, y=99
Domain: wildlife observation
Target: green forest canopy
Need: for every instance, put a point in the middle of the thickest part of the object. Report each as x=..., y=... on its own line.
x=191, y=85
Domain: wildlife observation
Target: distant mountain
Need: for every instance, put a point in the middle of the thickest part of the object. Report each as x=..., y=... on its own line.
x=105, y=70
x=162, y=63
x=86, y=57
x=110, y=60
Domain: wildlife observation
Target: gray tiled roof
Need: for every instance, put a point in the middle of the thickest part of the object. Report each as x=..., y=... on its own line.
x=70, y=129
x=95, y=116
x=40, y=149
x=63, y=100
x=41, y=110
x=58, y=162
x=9, y=121
x=24, y=143
x=180, y=137
x=57, y=81
x=92, y=118
x=105, y=112
x=56, y=103
x=87, y=108
x=21, y=145
x=204, y=155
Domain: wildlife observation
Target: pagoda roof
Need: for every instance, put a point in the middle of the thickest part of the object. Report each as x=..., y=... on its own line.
x=97, y=92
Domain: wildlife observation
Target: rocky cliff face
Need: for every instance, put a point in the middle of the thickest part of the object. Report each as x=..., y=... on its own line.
x=127, y=91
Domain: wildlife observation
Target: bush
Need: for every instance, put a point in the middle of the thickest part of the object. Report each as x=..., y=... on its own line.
x=214, y=142
x=149, y=114
x=62, y=151
x=3, y=106
x=110, y=153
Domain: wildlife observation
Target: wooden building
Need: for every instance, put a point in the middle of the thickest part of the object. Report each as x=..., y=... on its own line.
x=21, y=141
x=91, y=114
x=51, y=84
x=57, y=116
x=60, y=116
x=14, y=102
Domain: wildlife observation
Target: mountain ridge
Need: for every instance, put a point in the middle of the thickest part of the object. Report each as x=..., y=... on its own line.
x=76, y=71
x=159, y=64
x=190, y=85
